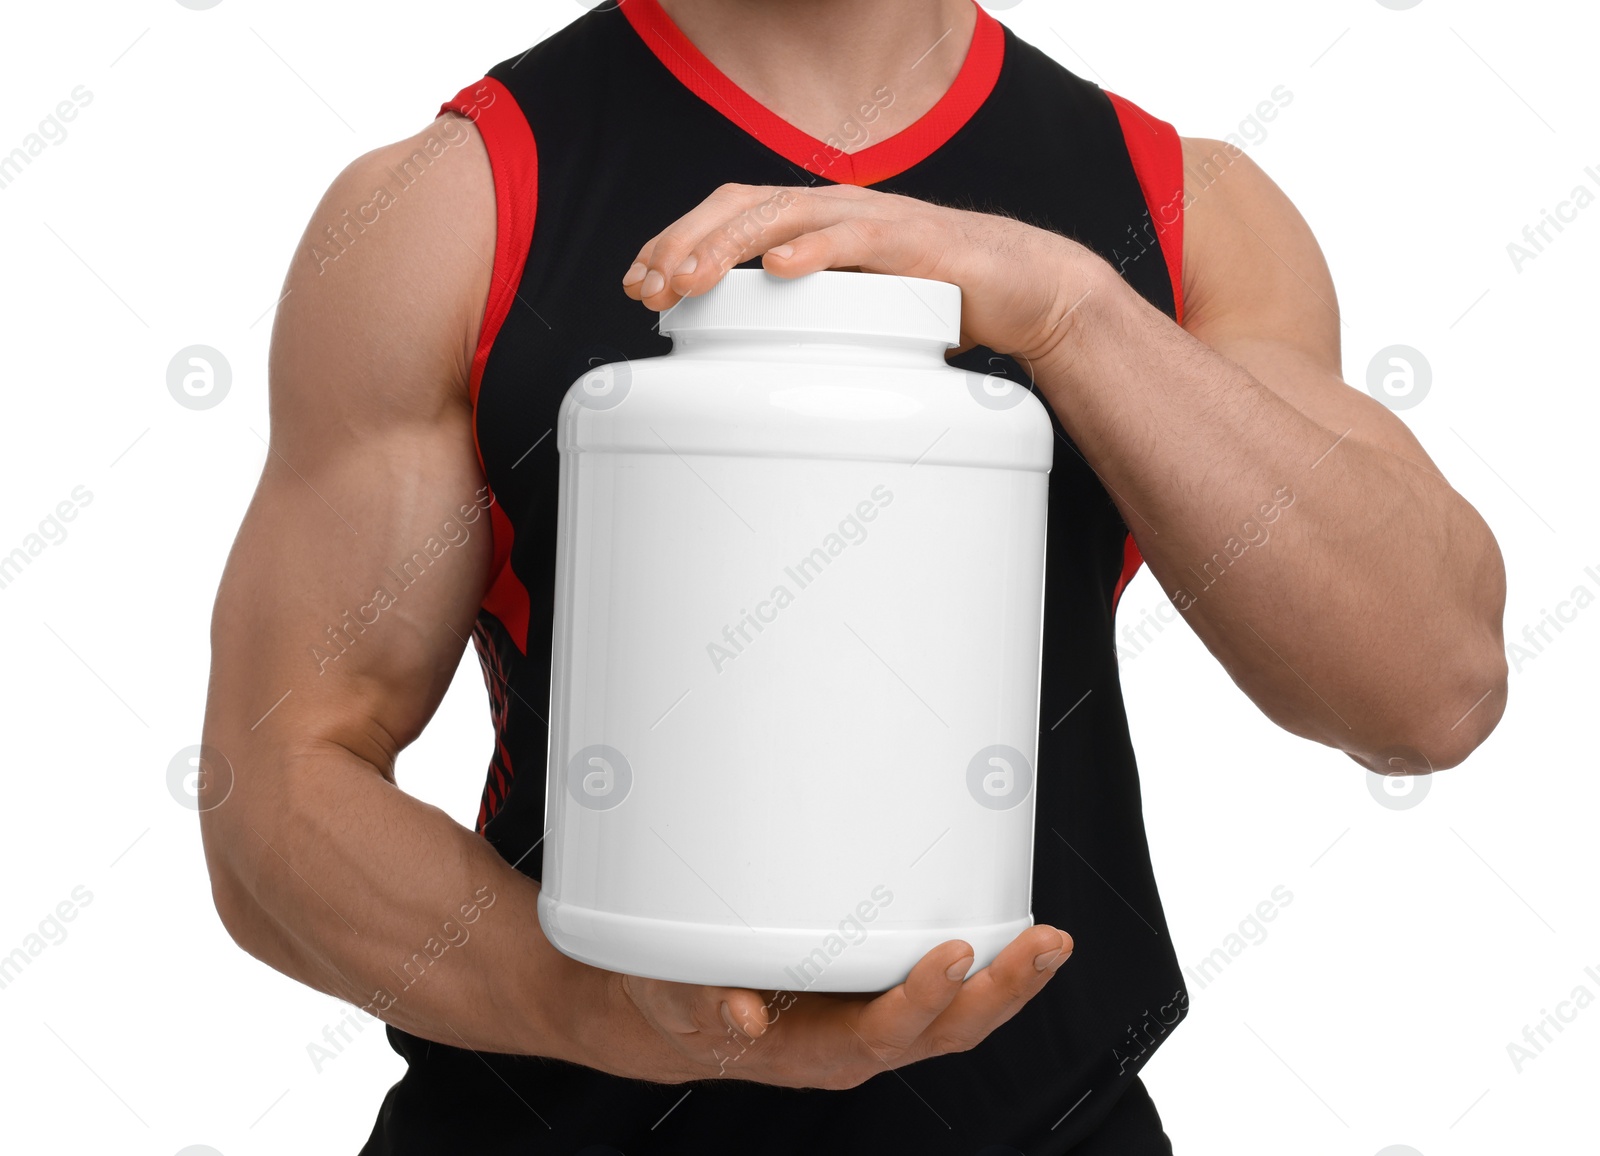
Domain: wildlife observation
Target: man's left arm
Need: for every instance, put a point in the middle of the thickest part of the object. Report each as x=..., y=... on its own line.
x=1296, y=523
x=1294, y=520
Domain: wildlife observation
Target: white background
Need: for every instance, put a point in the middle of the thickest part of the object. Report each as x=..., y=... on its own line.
x=1418, y=943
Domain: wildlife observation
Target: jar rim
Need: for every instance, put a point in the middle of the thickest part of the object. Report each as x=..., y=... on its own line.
x=829, y=302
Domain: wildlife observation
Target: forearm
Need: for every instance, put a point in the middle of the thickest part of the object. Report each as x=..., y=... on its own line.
x=1350, y=592
x=344, y=882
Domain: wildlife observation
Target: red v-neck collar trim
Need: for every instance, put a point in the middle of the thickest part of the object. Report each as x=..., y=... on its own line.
x=877, y=162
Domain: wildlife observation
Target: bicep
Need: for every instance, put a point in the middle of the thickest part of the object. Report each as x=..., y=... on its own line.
x=356, y=573
x=1258, y=290
x=349, y=594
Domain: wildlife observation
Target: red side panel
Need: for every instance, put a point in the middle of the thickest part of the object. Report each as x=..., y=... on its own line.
x=1157, y=156
x=1131, y=561
x=501, y=771
x=514, y=160
x=507, y=598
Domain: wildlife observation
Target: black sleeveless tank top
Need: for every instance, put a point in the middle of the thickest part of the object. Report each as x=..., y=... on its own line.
x=600, y=136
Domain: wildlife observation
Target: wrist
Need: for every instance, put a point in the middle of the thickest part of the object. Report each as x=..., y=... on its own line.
x=1091, y=301
x=570, y=997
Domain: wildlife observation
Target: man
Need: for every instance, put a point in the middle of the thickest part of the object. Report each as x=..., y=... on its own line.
x=1161, y=295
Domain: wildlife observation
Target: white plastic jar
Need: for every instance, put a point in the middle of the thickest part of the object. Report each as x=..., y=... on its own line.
x=799, y=600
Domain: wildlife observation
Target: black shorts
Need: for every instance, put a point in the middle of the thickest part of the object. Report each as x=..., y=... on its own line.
x=1132, y=1128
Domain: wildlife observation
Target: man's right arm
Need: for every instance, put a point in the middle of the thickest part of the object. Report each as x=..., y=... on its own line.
x=328, y=659
x=320, y=865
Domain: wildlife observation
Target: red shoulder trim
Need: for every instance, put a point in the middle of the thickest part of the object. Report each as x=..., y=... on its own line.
x=514, y=160
x=1157, y=156
x=878, y=162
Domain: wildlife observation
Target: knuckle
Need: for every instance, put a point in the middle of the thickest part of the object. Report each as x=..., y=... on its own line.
x=672, y=240
x=738, y=228
x=871, y=229
x=728, y=241
x=1021, y=988
x=947, y=1043
x=768, y=210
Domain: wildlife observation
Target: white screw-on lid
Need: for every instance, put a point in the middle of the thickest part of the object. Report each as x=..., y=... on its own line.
x=829, y=302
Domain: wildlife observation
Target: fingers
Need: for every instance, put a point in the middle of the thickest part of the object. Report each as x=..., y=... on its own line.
x=733, y=224
x=744, y=1011
x=681, y=1009
x=999, y=991
x=840, y=1044
x=716, y=232
x=875, y=244
x=837, y=1042
x=1018, y=282
x=895, y=1020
